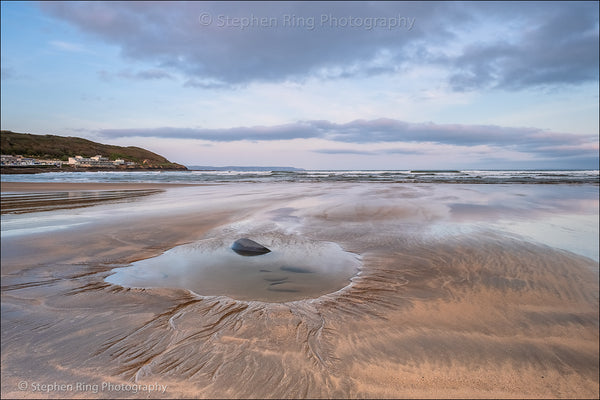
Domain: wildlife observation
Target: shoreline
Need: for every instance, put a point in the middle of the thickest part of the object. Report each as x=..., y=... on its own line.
x=62, y=186
x=524, y=177
x=28, y=197
x=40, y=170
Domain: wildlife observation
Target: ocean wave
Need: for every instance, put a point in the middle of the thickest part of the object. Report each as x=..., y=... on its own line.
x=401, y=176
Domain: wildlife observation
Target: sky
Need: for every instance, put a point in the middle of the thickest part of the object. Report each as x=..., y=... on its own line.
x=314, y=85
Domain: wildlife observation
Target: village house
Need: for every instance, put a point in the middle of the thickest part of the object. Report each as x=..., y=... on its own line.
x=96, y=161
x=20, y=161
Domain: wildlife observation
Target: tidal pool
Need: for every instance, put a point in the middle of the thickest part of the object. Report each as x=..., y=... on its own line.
x=295, y=269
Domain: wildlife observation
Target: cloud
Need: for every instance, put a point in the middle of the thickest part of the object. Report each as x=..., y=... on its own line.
x=143, y=75
x=149, y=74
x=205, y=84
x=219, y=44
x=68, y=46
x=300, y=130
x=561, y=49
x=398, y=137
x=220, y=48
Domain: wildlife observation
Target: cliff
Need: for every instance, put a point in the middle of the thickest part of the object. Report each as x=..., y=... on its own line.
x=61, y=148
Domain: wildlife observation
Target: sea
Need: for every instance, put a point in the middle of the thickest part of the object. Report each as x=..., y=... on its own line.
x=358, y=176
x=558, y=208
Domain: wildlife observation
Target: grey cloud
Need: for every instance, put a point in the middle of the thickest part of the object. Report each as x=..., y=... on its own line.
x=559, y=47
x=68, y=46
x=554, y=43
x=391, y=130
x=205, y=84
x=567, y=151
x=173, y=36
x=150, y=74
x=143, y=75
x=255, y=133
x=541, y=143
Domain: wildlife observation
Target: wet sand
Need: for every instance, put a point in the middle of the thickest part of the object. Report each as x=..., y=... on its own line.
x=66, y=186
x=26, y=197
x=447, y=303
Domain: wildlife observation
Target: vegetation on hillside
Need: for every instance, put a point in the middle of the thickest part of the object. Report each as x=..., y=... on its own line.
x=61, y=148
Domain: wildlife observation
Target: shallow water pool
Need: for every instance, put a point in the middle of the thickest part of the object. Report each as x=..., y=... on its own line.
x=295, y=269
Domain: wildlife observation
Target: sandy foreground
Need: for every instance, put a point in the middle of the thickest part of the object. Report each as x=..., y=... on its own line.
x=463, y=291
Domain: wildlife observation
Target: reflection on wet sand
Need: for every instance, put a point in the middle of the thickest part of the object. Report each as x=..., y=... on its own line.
x=17, y=203
x=448, y=312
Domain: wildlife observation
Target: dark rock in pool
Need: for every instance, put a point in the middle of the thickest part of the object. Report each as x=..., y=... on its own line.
x=248, y=247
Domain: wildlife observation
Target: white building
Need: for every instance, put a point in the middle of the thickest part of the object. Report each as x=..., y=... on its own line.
x=16, y=160
x=96, y=161
x=20, y=161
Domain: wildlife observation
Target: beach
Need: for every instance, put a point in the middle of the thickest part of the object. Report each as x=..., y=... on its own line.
x=459, y=291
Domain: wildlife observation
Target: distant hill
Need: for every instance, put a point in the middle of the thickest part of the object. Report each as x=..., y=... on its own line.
x=240, y=168
x=62, y=147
